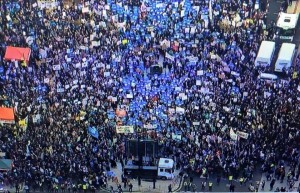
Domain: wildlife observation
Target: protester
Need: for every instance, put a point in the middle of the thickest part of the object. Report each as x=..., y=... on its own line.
x=91, y=68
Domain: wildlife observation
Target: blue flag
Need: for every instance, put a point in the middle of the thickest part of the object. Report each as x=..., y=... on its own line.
x=93, y=132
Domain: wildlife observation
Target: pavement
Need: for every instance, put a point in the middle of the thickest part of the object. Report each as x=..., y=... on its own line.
x=146, y=186
x=278, y=184
x=224, y=184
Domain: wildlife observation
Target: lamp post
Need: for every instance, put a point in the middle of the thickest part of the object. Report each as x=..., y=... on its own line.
x=139, y=156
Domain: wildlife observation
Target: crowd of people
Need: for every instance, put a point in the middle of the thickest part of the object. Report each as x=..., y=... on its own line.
x=93, y=59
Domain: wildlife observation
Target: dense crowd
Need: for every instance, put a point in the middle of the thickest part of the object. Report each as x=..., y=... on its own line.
x=86, y=67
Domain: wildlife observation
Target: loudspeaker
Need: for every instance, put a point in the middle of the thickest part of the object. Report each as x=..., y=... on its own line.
x=144, y=148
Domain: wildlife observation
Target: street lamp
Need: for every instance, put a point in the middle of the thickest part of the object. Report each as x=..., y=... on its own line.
x=139, y=156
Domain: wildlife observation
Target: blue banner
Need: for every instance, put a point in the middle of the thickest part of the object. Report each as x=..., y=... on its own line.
x=93, y=132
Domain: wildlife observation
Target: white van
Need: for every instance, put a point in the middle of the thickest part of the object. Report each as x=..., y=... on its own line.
x=165, y=168
x=285, y=57
x=267, y=76
x=287, y=25
x=265, y=53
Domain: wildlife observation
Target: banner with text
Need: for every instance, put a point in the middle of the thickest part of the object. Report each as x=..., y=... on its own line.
x=124, y=129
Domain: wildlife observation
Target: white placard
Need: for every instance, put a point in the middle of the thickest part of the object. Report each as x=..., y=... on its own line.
x=193, y=30
x=46, y=80
x=95, y=43
x=75, y=82
x=198, y=82
x=267, y=94
x=196, y=123
x=233, y=136
x=106, y=74
x=8, y=18
x=83, y=47
x=124, y=129
x=74, y=87
x=187, y=30
x=159, y=5
x=60, y=90
x=84, y=64
x=150, y=126
x=98, y=65
x=170, y=57
x=56, y=67
x=82, y=73
x=166, y=43
x=180, y=110
x=85, y=10
x=242, y=134
x=182, y=13
x=78, y=65
x=176, y=137
x=235, y=73
x=181, y=94
x=192, y=59
x=177, y=88
x=129, y=96
x=171, y=110
x=200, y=72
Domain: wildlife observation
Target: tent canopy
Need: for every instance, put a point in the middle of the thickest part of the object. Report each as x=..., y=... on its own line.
x=17, y=53
x=5, y=164
x=7, y=115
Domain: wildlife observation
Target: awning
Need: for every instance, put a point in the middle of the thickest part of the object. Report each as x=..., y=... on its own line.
x=7, y=115
x=17, y=53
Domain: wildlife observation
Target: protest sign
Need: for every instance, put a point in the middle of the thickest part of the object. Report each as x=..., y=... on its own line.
x=60, y=90
x=93, y=132
x=85, y=10
x=233, y=135
x=200, y=72
x=176, y=137
x=170, y=56
x=242, y=134
x=180, y=110
x=47, y=4
x=124, y=129
x=56, y=67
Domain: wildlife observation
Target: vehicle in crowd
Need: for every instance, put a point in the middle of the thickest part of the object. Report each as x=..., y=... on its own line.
x=267, y=76
x=265, y=53
x=163, y=170
x=285, y=57
x=286, y=26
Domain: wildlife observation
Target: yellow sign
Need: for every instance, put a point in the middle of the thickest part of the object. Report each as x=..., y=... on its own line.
x=295, y=75
x=22, y=122
x=125, y=41
x=24, y=63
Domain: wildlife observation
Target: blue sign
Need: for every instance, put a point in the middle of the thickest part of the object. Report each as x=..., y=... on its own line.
x=93, y=132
